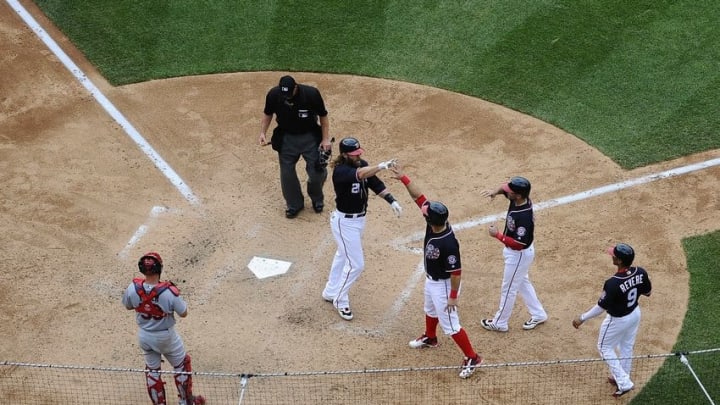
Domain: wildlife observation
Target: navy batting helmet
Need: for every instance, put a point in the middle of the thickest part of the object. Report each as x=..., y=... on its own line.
x=150, y=263
x=624, y=252
x=351, y=146
x=518, y=185
x=435, y=212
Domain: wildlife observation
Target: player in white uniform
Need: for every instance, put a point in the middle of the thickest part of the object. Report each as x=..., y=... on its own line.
x=619, y=298
x=155, y=304
x=352, y=177
x=519, y=254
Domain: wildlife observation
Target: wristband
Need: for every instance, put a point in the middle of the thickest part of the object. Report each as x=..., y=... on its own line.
x=389, y=198
x=405, y=180
x=453, y=294
x=500, y=237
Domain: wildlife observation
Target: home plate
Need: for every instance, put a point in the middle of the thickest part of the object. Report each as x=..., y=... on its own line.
x=263, y=267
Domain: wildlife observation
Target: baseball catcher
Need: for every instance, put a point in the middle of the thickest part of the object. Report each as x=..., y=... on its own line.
x=155, y=304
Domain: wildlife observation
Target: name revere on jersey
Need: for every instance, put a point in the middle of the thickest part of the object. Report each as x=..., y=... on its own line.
x=620, y=292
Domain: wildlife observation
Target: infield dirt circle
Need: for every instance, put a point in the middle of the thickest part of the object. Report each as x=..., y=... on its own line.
x=76, y=188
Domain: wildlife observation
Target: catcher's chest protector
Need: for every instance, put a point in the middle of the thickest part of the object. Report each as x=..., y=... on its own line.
x=147, y=306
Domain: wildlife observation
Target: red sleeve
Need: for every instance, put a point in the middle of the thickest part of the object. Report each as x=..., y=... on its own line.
x=509, y=242
x=420, y=200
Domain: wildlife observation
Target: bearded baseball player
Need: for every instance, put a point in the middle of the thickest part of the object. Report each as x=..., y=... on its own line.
x=352, y=178
x=519, y=254
x=619, y=299
x=442, y=278
x=155, y=303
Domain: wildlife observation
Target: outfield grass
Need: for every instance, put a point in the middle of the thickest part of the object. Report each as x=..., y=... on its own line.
x=698, y=332
x=638, y=80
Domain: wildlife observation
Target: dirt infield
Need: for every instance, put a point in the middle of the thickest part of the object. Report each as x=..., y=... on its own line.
x=75, y=189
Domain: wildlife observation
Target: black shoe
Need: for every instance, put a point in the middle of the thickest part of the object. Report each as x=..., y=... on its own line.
x=292, y=213
x=318, y=208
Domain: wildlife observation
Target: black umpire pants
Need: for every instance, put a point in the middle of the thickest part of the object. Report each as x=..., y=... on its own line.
x=294, y=146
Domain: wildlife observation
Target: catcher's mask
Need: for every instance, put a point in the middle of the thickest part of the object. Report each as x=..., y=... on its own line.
x=624, y=252
x=324, y=158
x=435, y=212
x=519, y=185
x=150, y=263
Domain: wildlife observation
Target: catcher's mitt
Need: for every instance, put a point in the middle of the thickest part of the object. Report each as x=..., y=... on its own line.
x=324, y=156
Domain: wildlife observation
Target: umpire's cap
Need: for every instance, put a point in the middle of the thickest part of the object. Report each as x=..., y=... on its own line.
x=287, y=85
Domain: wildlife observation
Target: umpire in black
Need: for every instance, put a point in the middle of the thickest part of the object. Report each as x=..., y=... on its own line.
x=302, y=129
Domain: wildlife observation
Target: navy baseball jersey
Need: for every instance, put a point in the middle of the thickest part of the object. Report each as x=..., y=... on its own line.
x=621, y=292
x=441, y=250
x=351, y=193
x=520, y=223
x=298, y=115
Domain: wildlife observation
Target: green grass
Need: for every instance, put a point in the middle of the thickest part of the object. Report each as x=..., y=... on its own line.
x=674, y=381
x=639, y=80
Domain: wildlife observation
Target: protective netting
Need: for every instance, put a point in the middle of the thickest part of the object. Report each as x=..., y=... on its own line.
x=688, y=378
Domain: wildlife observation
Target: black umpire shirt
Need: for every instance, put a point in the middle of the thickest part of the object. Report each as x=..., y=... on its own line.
x=298, y=115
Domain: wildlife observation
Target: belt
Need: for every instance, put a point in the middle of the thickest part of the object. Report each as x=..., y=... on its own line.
x=435, y=278
x=358, y=215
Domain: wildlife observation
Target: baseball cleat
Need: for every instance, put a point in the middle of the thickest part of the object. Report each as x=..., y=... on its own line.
x=618, y=393
x=490, y=325
x=345, y=313
x=469, y=366
x=532, y=323
x=423, y=341
x=326, y=298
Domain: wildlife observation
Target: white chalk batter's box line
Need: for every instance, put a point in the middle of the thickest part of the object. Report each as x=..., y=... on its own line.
x=155, y=212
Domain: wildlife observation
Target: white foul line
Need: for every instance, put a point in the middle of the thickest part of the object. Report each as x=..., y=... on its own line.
x=155, y=157
x=414, y=279
x=583, y=195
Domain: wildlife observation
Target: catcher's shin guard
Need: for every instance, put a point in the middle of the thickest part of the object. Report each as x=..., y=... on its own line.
x=183, y=382
x=155, y=386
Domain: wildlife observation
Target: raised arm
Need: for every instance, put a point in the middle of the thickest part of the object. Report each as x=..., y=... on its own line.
x=369, y=171
x=412, y=188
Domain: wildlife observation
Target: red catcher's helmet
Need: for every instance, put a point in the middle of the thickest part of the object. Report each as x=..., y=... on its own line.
x=150, y=263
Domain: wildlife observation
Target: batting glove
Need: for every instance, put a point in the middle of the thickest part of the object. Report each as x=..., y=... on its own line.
x=387, y=164
x=397, y=209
